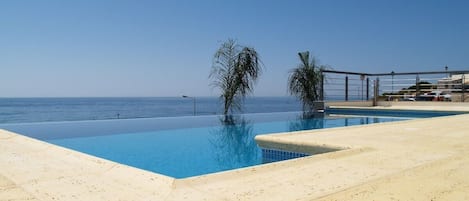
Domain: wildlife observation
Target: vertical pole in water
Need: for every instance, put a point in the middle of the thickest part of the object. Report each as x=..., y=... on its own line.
x=193, y=101
x=194, y=107
x=346, y=88
x=367, y=88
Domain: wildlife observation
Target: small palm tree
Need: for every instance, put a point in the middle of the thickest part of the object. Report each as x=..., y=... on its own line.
x=304, y=81
x=235, y=70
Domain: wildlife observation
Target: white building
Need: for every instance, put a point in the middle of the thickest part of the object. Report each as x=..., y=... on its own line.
x=453, y=83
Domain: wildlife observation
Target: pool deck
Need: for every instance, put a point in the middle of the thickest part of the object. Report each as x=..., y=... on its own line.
x=421, y=159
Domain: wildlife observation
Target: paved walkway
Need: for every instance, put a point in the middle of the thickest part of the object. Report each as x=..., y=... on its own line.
x=422, y=159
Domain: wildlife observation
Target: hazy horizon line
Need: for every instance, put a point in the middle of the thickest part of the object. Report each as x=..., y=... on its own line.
x=5, y=97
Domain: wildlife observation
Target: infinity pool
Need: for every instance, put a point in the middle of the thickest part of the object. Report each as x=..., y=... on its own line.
x=189, y=146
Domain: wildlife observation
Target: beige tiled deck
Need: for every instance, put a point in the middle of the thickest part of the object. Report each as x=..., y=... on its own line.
x=422, y=159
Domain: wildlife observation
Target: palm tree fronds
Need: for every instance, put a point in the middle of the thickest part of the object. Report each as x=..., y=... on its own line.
x=304, y=82
x=235, y=70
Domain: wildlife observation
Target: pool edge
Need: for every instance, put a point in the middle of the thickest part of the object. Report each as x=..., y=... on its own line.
x=254, y=186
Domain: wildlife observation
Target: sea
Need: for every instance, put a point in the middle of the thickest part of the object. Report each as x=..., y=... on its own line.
x=28, y=110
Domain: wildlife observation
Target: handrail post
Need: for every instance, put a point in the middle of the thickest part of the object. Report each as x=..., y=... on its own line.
x=463, y=88
x=376, y=92
x=362, y=77
x=392, y=84
x=321, y=95
x=417, y=86
x=367, y=88
x=346, y=88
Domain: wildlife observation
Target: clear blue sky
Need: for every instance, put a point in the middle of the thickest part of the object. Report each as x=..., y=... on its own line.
x=165, y=48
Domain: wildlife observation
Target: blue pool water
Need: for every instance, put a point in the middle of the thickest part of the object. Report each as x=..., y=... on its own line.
x=187, y=146
x=194, y=151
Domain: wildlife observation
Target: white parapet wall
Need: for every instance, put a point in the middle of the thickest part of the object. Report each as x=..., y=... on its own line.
x=405, y=105
x=349, y=103
x=423, y=103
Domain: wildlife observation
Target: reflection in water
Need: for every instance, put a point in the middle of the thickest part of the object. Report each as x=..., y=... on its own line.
x=233, y=143
x=362, y=120
x=376, y=120
x=307, y=121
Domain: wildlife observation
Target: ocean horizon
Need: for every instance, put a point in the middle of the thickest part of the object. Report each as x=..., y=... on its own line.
x=50, y=109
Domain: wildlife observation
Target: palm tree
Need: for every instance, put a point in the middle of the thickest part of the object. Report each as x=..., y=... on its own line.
x=235, y=70
x=304, y=81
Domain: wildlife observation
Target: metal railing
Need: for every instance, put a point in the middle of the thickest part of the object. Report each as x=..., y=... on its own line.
x=407, y=86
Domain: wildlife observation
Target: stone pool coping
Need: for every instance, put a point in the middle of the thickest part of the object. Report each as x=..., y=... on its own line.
x=421, y=159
